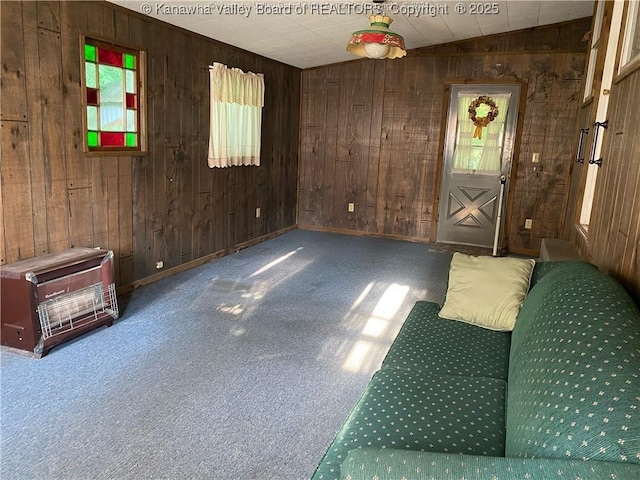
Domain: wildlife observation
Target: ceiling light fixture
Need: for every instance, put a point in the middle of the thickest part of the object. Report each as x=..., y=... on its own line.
x=377, y=41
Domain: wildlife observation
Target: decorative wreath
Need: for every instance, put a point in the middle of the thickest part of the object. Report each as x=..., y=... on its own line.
x=482, y=122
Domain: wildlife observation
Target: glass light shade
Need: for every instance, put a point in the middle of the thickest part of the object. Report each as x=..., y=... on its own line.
x=377, y=41
x=376, y=50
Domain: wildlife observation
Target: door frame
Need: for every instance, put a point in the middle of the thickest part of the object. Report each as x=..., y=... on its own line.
x=446, y=99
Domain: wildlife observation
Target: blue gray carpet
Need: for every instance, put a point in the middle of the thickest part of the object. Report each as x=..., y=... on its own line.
x=243, y=368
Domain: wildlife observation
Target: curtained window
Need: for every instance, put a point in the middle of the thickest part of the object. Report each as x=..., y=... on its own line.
x=237, y=99
x=480, y=153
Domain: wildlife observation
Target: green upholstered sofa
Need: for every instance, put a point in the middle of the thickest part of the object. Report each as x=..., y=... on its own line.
x=557, y=398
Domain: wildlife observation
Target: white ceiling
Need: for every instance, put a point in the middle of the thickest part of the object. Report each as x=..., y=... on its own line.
x=319, y=35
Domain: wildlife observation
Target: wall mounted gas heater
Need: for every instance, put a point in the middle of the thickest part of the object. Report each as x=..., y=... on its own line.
x=49, y=299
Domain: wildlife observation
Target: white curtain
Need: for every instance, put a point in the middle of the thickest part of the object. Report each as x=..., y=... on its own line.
x=463, y=156
x=491, y=159
x=485, y=156
x=237, y=99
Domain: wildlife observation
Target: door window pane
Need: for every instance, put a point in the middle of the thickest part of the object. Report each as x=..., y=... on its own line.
x=480, y=133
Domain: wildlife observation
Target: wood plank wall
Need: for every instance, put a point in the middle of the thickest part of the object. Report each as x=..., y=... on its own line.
x=166, y=206
x=370, y=133
x=614, y=230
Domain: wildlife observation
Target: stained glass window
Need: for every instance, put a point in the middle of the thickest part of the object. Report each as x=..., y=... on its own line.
x=113, y=94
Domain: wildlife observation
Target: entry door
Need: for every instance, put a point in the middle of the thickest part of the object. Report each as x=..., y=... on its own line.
x=478, y=149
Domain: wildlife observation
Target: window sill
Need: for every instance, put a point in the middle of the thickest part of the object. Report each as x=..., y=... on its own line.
x=627, y=70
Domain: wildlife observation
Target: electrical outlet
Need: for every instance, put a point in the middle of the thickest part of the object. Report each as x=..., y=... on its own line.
x=535, y=158
x=352, y=207
x=159, y=265
x=257, y=212
x=528, y=223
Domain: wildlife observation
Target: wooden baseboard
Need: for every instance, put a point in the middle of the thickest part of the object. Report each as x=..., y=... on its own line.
x=358, y=233
x=200, y=261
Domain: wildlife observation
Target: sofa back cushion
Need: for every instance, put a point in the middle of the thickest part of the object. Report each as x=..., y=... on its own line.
x=574, y=371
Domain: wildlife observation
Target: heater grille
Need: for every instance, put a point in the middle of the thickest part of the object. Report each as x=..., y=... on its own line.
x=77, y=308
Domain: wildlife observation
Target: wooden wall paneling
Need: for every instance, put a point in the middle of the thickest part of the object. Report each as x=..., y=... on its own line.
x=13, y=95
x=243, y=195
x=100, y=201
x=386, y=151
x=269, y=152
x=203, y=218
x=262, y=193
x=174, y=155
x=421, y=111
x=157, y=110
x=35, y=143
x=51, y=86
x=16, y=191
x=311, y=147
x=73, y=19
x=435, y=95
x=95, y=23
x=330, y=137
x=110, y=195
x=125, y=218
x=275, y=157
x=233, y=197
x=121, y=30
x=292, y=109
x=629, y=269
x=251, y=179
x=202, y=230
x=404, y=175
x=616, y=187
x=107, y=14
x=80, y=217
x=373, y=153
x=184, y=83
x=287, y=167
x=48, y=15
x=141, y=176
x=630, y=168
x=628, y=96
x=221, y=205
x=354, y=131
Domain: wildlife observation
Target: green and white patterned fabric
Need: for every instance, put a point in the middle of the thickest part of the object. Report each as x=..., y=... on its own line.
x=403, y=409
x=368, y=464
x=573, y=364
x=574, y=373
x=432, y=344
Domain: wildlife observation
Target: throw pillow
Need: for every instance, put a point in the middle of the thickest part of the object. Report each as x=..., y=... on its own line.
x=487, y=291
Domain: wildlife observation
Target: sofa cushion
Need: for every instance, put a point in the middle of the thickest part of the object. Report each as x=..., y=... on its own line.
x=574, y=376
x=406, y=409
x=487, y=291
x=432, y=344
x=368, y=464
